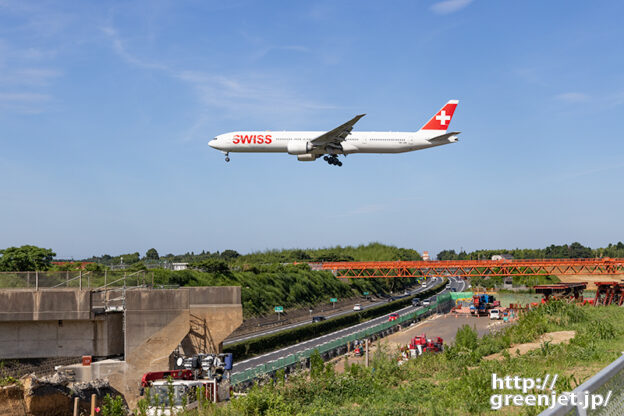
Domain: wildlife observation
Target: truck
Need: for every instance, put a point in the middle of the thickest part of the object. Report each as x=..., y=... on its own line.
x=201, y=377
x=420, y=344
x=482, y=303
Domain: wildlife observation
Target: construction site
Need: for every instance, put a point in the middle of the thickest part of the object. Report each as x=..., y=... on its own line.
x=121, y=339
x=115, y=333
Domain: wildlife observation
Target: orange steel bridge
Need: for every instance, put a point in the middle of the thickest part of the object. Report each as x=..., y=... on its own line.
x=468, y=268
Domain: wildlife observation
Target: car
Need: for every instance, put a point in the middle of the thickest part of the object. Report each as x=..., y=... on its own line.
x=357, y=307
x=453, y=289
x=448, y=285
x=416, y=302
x=393, y=317
x=318, y=318
x=424, y=284
x=391, y=299
x=426, y=302
x=495, y=314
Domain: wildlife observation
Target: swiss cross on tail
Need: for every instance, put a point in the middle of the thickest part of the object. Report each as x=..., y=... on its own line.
x=442, y=119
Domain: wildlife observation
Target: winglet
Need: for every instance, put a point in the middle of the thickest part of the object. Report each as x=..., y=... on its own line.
x=442, y=119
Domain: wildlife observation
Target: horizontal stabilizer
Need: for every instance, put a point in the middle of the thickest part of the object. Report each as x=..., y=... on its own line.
x=445, y=138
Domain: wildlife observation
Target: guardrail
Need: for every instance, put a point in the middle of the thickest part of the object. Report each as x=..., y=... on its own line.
x=282, y=363
x=609, y=382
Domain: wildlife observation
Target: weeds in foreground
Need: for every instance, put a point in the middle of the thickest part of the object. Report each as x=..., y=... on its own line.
x=457, y=381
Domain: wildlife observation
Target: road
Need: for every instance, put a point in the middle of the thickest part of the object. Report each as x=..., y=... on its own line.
x=430, y=282
x=457, y=283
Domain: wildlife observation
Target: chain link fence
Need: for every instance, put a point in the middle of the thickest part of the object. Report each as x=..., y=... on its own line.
x=41, y=280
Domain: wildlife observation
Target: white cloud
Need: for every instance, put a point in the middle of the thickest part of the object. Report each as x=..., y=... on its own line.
x=449, y=6
x=29, y=76
x=227, y=95
x=572, y=97
x=24, y=102
x=120, y=49
x=586, y=172
x=262, y=52
x=23, y=97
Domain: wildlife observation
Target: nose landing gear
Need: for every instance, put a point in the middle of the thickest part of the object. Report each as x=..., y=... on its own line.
x=227, y=156
x=332, y=160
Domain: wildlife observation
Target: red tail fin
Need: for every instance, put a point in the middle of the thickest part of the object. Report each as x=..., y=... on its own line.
x=442, y=119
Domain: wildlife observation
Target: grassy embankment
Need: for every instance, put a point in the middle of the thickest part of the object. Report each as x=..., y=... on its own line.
x=456, y=382
x=266, y=278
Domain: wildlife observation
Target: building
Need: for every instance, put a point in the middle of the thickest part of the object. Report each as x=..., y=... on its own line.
x=425, y=256
x=502, y=257
x=179, y=266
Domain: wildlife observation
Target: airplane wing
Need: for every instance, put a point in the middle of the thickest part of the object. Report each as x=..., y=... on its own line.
x=338, y=134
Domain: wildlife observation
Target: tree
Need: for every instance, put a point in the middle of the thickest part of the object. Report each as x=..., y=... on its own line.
x=152, y=254
x=26, y=258
x=212, y=266
x=300, y=255
x=447, y=255
x=317, y=365
x=228, y=255
x=578, y=251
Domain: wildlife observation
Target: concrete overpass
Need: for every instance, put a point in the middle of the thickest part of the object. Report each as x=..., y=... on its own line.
x=141, y=326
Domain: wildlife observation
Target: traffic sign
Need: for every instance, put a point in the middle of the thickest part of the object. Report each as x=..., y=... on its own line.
x=333, y=300
x=279, y=309
x=365, y=293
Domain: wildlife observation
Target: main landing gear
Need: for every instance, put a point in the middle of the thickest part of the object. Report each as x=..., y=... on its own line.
x=227, y=156
x=332, y=160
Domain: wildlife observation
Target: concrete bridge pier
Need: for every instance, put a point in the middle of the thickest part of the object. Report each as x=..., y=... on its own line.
x=144, y=326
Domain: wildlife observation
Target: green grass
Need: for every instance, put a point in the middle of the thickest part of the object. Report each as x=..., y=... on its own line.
x=456, y=382
x=262, y=286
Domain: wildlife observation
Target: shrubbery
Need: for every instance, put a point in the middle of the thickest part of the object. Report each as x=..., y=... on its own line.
x=265, y=286
x=457, y=381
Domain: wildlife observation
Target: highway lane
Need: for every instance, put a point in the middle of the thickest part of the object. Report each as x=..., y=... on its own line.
x=455, y=282
x=419, y=289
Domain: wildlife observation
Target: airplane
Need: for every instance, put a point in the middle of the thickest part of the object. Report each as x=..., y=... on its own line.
x=311, y=145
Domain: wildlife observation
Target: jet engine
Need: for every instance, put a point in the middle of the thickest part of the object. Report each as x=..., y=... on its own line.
x=307, y=157
x=296, y=147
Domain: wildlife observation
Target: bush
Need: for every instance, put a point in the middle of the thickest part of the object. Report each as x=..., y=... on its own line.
x=113, y=406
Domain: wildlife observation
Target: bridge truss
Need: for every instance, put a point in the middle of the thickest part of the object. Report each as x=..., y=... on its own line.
x=472, y=268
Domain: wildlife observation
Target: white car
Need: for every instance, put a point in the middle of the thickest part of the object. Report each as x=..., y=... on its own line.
x=357, y=307
x=424, y=284
x=495, y=314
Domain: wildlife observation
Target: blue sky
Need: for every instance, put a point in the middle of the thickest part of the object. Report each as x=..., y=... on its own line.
x=106, y=109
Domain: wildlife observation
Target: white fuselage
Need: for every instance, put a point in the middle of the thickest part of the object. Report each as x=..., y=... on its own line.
x=356, y=142
x=342, y=140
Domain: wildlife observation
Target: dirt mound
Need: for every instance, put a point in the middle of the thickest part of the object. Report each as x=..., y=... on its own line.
x=11, y=401
x=550, y=337
x=51, y=396
x=42, y=397
x=591, y=279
